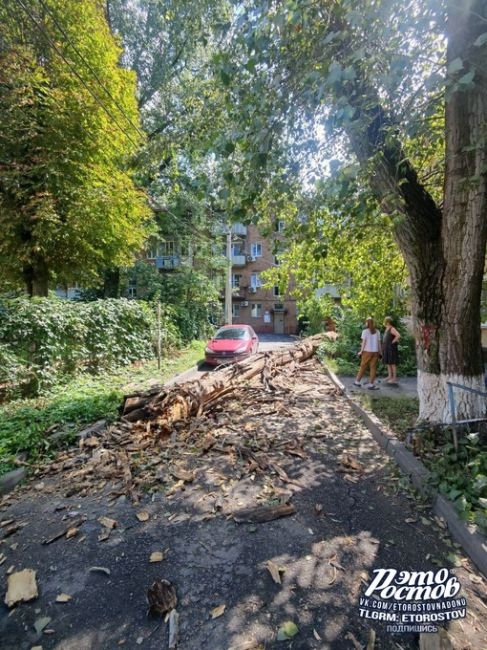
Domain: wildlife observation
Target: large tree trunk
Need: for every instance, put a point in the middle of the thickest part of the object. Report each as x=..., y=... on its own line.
x=464, y=225
x=444, y=249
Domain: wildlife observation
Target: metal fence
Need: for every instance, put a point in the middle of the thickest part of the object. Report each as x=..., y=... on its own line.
x=453, y=408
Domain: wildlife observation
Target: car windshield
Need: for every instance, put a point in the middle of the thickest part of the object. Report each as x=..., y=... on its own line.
x=233, y=333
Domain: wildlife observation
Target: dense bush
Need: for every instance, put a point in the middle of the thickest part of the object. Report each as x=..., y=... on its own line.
x=43, y=339
x=344, y=349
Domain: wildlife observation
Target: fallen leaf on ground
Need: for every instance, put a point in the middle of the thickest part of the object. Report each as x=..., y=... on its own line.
x=62, y=533
x=63, y=598
x=217, y=611
x=107, y=522
x=21, y=587
x=334, y=576
x=99, y=569
x=157, y=556
x=287, y=631
x=6, y=522
x=371, y=640
x=182, y=474
x=261, y=514
x=274, y=571
x=72, y=532
x=316, y=635
x=104, y=535
x=161, y=597
x=173, y=629
x=351, y=463
x=41, y=623
x=175, y=488
x=143, y=515
x=11, y=529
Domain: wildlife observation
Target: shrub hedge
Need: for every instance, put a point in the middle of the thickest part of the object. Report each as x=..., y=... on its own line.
x=42, y=339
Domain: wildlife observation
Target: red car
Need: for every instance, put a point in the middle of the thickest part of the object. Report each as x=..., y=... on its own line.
x=231, y=343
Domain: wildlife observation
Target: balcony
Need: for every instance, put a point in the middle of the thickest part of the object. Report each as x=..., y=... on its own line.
x=239, y=260
x=239, y=229
x=167, y=262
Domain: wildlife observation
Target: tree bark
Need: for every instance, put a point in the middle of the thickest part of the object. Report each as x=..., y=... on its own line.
x=464, y=226
x=36, y=278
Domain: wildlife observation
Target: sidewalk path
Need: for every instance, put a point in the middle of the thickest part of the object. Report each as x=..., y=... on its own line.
x=406, y=387
x=294, y=443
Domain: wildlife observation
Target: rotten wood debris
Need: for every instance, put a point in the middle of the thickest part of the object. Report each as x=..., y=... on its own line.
x=162, y=409
x=166, y=436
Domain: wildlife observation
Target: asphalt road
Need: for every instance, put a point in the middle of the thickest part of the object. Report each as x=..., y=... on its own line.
x=347, y=523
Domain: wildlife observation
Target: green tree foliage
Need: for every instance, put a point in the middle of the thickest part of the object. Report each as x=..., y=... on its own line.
x=170, y=45
x=68, y=128
x=400, y=89
x=337, y=238
x=189, y=300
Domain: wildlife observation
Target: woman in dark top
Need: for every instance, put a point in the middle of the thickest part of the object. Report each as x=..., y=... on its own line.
x=390, y=353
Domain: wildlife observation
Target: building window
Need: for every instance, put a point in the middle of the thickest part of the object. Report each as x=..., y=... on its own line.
x=163, y=249
x=280, y=225
x=235, y=310
x=132, y=291
x=276, y=260
x=278, y=306
x=237, y=249
x=236, y=279
x=256, y=250
x=256, y=310
x=276, y=292
x=167, y=248
x=255, y=281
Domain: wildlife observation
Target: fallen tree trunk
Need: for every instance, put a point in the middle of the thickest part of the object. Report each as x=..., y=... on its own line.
x=163, y=408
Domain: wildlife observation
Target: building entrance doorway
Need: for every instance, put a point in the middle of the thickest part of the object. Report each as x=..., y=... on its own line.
x=278, y=323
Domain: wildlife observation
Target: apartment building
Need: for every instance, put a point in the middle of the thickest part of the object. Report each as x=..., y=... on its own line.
x=264, y=309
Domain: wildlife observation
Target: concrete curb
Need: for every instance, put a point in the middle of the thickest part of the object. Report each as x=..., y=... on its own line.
x=474, y=544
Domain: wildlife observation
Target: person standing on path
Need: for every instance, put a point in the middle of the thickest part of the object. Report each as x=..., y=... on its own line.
x=370, y=351
x=390, y=352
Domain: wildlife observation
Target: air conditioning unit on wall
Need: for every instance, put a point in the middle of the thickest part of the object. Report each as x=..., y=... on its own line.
x=253, y=289
x=251, y=258
x=244, y=303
